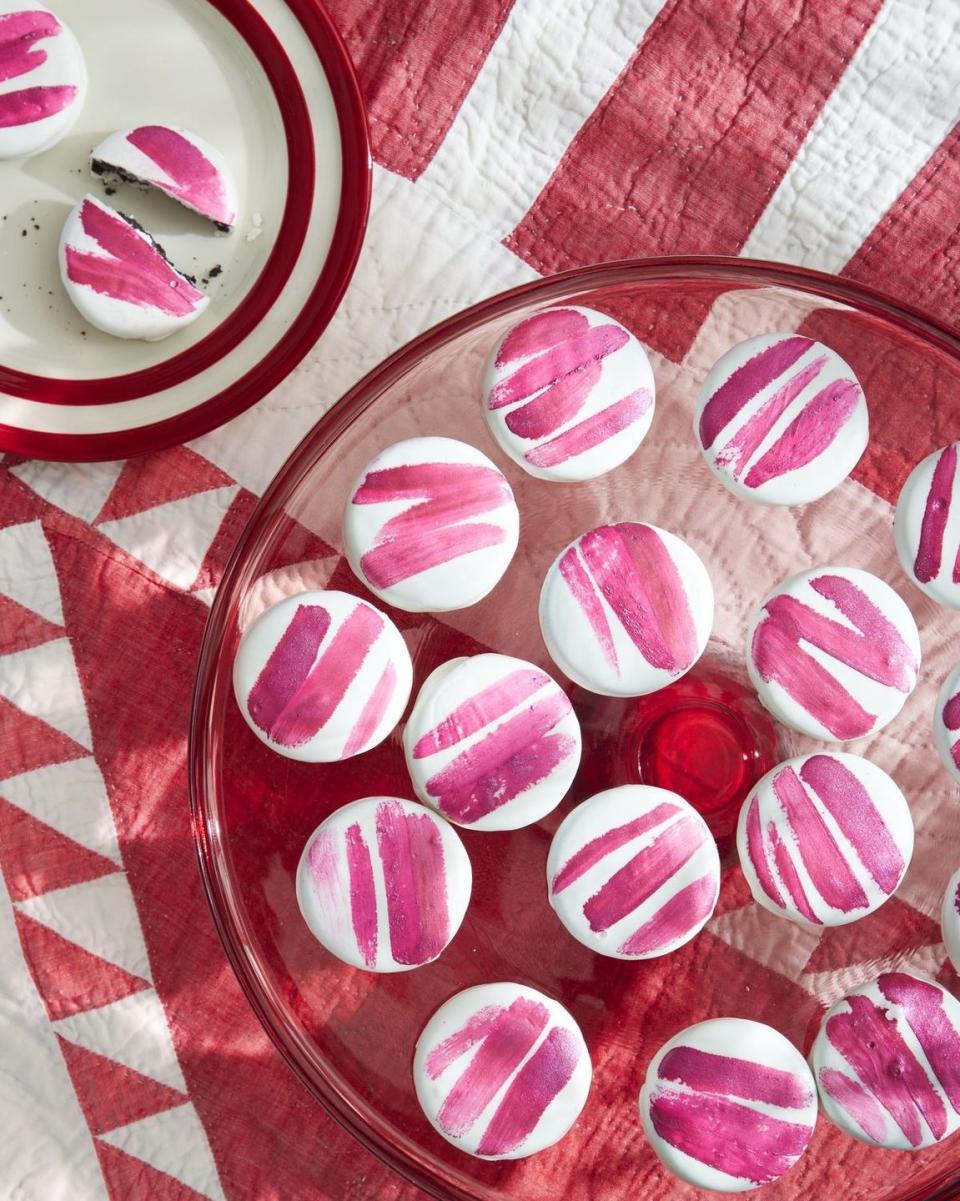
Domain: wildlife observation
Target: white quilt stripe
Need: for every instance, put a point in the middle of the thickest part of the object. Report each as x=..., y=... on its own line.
x=70, y=797
x=897, y=100
x=26, y=570
x=43, y=681
x=174, y=1142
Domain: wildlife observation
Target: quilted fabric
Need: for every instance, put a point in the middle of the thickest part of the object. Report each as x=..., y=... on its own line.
x=511, y=140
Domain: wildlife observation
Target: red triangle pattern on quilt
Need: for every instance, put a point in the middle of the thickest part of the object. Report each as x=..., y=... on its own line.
x=28, y=742
x=157, y=479
x=21, y=628
x=110, y=1093
x=130, y=1179
x=36, y=858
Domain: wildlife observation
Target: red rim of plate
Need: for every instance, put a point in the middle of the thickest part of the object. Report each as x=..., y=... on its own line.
x=314, y=315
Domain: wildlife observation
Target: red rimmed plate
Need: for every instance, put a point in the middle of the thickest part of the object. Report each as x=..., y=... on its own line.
x=270, y=85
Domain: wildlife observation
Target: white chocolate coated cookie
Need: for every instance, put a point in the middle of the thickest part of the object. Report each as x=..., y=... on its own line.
x=946, y=723
x=927, y=526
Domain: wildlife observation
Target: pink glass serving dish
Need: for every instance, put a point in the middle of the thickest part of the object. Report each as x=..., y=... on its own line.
x=350, y=1035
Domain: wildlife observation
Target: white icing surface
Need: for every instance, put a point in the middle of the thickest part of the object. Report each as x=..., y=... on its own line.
x=950, y=919
x=947, y=740
x=456, y=684
x=936, y=574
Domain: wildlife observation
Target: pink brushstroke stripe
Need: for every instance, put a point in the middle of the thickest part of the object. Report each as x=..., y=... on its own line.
x=324, y=861
x=809, y=434
x=875, y=649
x=725, y=1075
x=869, y=1041
x=506, y=1043
x=591, y=431
x=583, y=591
x=597, y=849
x=849, y=804
x=363, y=896
x=563, y=359
x=826, y=865
x=372, y=713
x=854, y=1099
x=922, y=1005
x=290, y=663
x=473, y=1031
x=788, y=874
x=481, y=710
x=936, y=512
x=438, y=528
x=540, y=332
x=416, y=883
x=133, y=272
x=687, y=909
x=640, y=582
x=758, y=855
x=307, y=709
x=29, y=105
x=196, y=181
x=644, y=874
x=744, y=384
x=744, y=443
x=542, y=1078
x=742, y=1142
x=517, y=755
x=554, y=406
x=951, y=712
x=19, y=34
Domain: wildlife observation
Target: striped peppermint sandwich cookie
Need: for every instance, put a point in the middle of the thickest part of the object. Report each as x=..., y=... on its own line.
x=834, y=653
x=120, y=280
x=781, y=420
x=946, y=723
x=887, y=1062
x=626, y=609
x=950, y=919
x=633, y=872
x=569, y=394
x=43, y=79
x=492, y=742
x=180, y=164
x=431, y=525
x=824, y=839
x=728, y=1105
x=926, y=526
x=501, y=1071
x=322, y=676
x=384, y=884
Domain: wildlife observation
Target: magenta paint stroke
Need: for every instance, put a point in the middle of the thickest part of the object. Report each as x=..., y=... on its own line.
x=188, y=175
x=373, y=712
x=727, y=1136
x=575, y=576
x=563, y=359
x=648, y=870
x=290, y=702
x=511, y=759
x=638, y=578
x=592, y=431
x=787, y=871
x=826, y=865
x=415, y=880
x=922, y=1005
x=437, y=527
x=505, y=1041
x=809, y=434
x=481, y=710
x=868, y=1039
x=686, y=910
x=540, y=1080
x=363, y=896
x=597, y=849
x=132, y=270
x=725, y=1075
x=540, y=332
x=848, y=802
x=554, y=406
x=951, y=712
x=936, y=513
x=874, y=648
x=29, y=105
x=757, y=853
x=746, y=382
x=19, y=34
x=856, y=1101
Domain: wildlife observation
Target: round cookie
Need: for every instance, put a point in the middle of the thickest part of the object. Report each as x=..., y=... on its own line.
x=824, y=839
x=322, y=676
x=119, y=279
x=568, y=394
x=946, y=723
x=633, y=872
x=626, y=609
x=43, y=79
x=431, y=525
x=501, y=1071
x=926, y=526
x=781, y=420
x=384, y=884
x=174, y=161
x=492, y=742
x=728, y=1105
x=887, y=1062
x=833, y=652
x=950, y=919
